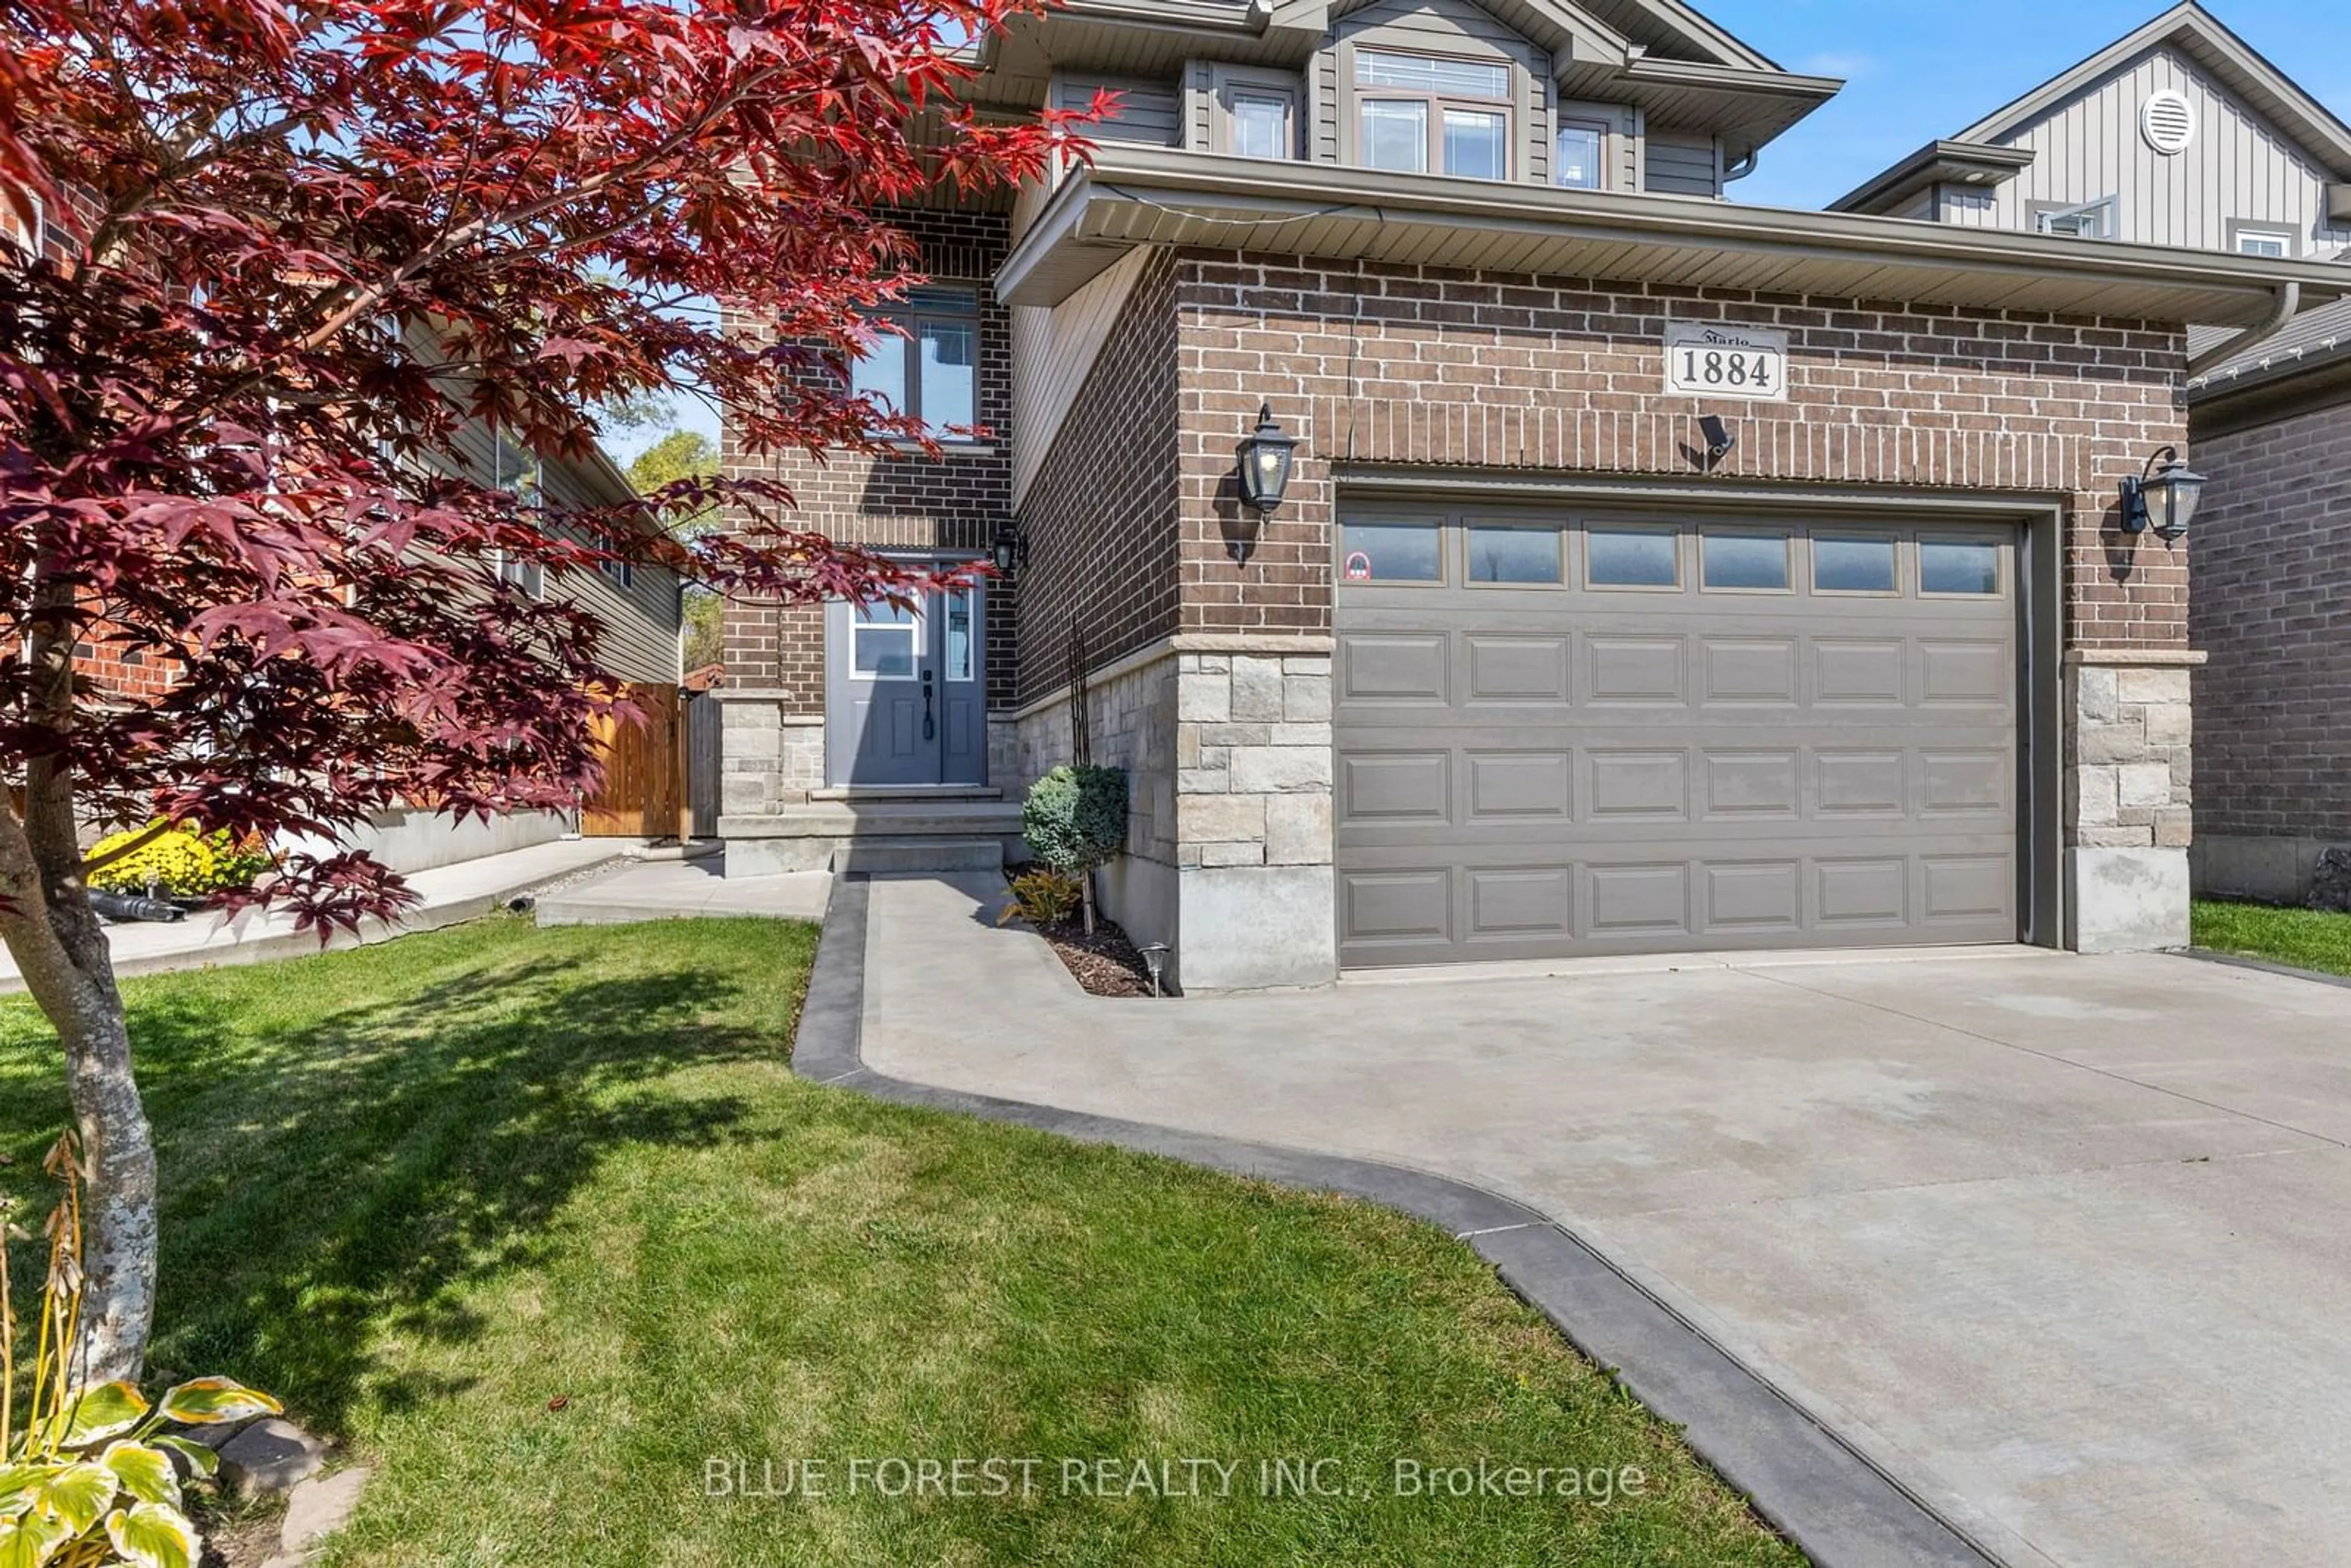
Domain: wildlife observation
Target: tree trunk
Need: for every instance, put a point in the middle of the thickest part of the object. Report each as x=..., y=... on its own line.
x=62, y=955
x=61, y=950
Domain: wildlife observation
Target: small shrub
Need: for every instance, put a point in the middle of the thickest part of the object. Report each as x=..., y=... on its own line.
x=88, y=1479
x=180, y=864
x=1043, y=897
x=1075, y=818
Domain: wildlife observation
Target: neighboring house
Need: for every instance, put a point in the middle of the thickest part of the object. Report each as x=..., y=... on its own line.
x=2178, y=133
x=640, y=609
x=2272, y=608
x=1655, y=574
x=2181, y=134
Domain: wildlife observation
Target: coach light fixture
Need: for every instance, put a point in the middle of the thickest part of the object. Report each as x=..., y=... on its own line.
x=1266, y=459
x=2163, y=499
x=1010, y=550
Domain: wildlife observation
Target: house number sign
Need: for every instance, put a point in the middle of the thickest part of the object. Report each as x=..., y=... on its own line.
x=1711, y=360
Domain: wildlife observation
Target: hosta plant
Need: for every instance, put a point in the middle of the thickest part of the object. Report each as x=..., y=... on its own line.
x=86, y=1470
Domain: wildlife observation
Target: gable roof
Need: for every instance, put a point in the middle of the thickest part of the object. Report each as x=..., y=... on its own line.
x=2199, y=35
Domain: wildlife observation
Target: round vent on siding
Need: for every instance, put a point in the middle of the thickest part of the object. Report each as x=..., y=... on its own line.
x=2167, y=121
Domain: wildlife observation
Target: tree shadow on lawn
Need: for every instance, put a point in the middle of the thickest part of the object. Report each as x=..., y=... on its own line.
x=328, y=1176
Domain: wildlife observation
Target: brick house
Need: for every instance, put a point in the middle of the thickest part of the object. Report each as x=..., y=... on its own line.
x=2272, y=429
x=1655, y=574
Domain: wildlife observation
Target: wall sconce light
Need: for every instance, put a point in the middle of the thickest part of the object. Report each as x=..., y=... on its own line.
x=1266, y=458
x=1720, y=439
x=1010, y=551
x=2165, y=500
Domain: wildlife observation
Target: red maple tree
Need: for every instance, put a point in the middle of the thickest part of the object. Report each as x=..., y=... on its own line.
x=289, y=250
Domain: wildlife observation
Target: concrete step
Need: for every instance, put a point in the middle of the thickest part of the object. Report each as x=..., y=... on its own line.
x=844, y=820
x=899, y=856
x=872, y=794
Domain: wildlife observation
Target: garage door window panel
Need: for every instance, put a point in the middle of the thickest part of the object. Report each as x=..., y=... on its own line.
x=1516, y=554
x=1406, y=550
x=1857, y=564
x=1633, y=557
x=1743, y=562
x=1960, y=568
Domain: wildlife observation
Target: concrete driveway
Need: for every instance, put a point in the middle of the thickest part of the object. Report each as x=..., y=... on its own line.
x=2062, y=1244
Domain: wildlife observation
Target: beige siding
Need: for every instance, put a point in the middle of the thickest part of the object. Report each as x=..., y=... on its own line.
x=1452, y=28
x=2237, y=167
x=1148, y=111
x=1684, y=165
x=1053, y=348
x=641, y=620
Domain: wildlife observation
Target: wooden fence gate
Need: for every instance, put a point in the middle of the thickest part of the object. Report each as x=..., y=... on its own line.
x=643, y=794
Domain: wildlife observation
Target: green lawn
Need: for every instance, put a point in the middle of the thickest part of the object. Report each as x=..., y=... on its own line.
x=424, y=1190
x=2305, y=939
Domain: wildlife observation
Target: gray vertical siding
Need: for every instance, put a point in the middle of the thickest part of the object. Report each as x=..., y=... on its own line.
x=2237, y=167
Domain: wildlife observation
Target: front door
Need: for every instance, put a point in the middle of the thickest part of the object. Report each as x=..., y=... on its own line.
x=906, y=694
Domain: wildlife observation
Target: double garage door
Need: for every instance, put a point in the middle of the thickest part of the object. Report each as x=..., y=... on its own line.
x=1561, y=736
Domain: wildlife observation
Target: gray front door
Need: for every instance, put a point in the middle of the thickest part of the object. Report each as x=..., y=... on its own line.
x=1572, y=735
x=906, y=691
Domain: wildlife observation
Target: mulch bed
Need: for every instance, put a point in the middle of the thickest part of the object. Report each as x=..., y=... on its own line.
x=1106, y=963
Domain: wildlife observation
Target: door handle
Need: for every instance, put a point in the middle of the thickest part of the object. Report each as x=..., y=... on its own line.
x=930, y=720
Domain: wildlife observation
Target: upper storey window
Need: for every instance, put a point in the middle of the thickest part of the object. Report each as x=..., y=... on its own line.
x=1417, y=114
x=933, y=371
x=1260, y=123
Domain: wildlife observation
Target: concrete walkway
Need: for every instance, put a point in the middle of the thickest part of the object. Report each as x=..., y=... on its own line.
x=450, y=894
x=686, y=890
x=2056, y=1242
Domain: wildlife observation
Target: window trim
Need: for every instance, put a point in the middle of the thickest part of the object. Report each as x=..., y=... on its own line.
x=2108, y=208
x=1512, y=107
x=2243, y=229
x=911, y=318
x=1227, y=83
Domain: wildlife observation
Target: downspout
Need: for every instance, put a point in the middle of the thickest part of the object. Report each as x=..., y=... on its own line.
x=1744, y=167
x=2283, y=309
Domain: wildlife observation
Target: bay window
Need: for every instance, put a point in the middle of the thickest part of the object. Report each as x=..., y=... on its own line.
x=1418, y=114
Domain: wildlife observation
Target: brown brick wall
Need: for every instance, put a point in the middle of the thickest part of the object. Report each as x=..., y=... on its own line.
x=2273, y=574
x=1374, y=363
x=1101, y=518
x=905, y=501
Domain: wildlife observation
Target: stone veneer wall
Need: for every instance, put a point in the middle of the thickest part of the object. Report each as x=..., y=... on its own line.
x=2129, y=790
x=774, y=755
x=1226, y=745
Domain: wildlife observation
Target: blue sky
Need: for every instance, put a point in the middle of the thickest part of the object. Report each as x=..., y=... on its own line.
x=1917, y=69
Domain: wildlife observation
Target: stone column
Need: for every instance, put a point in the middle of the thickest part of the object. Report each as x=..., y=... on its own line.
x=1253, y=777
x=2129, y=802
